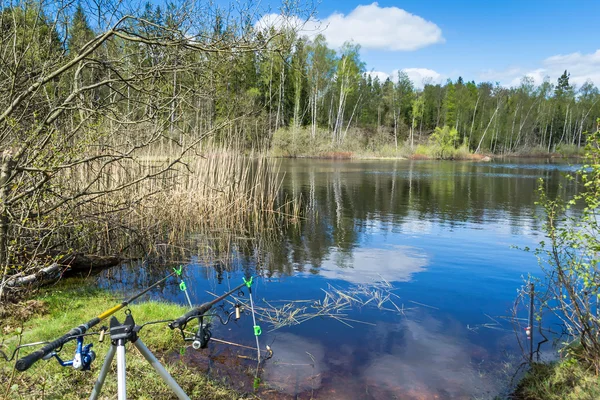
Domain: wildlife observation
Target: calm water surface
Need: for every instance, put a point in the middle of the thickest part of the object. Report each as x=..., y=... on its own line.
x=441, y=233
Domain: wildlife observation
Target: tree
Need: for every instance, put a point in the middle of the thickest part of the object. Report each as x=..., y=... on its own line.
x=418, y=106
x=321, y=69
x=562, y=88
x=300, y=82
x=445, y=140
x=450, y=105
x=349, y=70
x=80, y=32
x=72, y=118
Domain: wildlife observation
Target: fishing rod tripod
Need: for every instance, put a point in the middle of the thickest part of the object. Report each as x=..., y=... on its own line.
x=121, y=334
x=127, y=332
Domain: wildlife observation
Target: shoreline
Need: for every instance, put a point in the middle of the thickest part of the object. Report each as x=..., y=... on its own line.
x=420, y=157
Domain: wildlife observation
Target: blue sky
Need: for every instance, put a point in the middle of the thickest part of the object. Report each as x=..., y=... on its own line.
x=476, y=39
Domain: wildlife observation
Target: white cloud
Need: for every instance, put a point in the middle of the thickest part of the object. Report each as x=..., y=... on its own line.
x=378, y=74
x=582, y=67
x=278, y=22
x=383, y=28
x=371, y=26
x=499, y=76
x=420, y=76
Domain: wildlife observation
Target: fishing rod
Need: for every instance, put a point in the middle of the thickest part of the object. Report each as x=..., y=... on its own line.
x=201, y=338
x=127, y=332
x=122, y=333
x=24, y=363
x=202, y=309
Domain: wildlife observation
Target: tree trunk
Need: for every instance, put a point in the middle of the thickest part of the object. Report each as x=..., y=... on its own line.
x=351, y=116
x=6, y=167
x=486, y=129
x=473, y=121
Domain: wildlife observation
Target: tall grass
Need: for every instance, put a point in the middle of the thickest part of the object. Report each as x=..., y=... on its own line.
x=206, y=204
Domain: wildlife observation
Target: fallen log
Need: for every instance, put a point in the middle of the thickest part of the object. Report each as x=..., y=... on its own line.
x=88, y=262
x=48, y=273
x=83, y=264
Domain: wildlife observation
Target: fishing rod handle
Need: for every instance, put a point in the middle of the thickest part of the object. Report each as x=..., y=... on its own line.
x=196, y=312
x=24, y=363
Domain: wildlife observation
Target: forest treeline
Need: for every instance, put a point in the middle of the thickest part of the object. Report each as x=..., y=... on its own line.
x=277, y=79
x=103, y=105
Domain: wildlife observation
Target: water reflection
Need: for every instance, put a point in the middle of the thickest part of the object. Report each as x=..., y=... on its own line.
x=441, y=232
x=392, y=264
x=426, y=360
x=297, y=366
x=346, y=201
x=416, y=357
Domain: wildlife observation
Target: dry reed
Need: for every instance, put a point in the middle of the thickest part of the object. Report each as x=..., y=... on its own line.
x=336, y=304
x=206, y=205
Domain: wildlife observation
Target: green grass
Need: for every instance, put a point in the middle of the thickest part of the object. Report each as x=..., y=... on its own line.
x=69, y=305
x=564, y=380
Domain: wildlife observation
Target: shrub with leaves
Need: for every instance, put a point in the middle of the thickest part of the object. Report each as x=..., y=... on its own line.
x=570, y=259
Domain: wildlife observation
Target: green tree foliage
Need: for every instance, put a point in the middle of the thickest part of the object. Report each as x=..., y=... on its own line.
x=80, y=32
x=450, y=104
x=445, y=141
x=570, y=287
x=295, y=82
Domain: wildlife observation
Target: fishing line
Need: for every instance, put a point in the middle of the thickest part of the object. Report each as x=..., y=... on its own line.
x=257, y=333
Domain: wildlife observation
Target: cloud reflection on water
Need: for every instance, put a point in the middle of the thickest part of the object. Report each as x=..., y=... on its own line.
x=419, y=357
x=426, y=359
x=296, y=366
x=368, y=265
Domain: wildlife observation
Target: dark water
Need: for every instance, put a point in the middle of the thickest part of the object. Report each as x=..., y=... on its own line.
x=442, y=234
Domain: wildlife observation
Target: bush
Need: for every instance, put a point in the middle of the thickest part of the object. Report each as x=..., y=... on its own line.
x=298, y=142
x=569, y=150
x=570, y=286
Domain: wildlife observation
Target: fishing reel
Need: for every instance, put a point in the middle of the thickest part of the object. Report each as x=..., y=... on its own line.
x=82, y=361
x=202, y=335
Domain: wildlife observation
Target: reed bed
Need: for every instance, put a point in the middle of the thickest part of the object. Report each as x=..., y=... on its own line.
x=206, y=205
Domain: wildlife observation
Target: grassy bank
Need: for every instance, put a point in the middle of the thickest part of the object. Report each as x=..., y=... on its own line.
x=442, y=144
x=55, y=311
x=300, y=142
x=567, y=379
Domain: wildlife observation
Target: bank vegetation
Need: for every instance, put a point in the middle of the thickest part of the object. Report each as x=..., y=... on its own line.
x=568, y=290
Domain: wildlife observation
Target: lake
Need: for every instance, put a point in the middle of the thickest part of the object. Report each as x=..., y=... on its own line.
x=426, y=252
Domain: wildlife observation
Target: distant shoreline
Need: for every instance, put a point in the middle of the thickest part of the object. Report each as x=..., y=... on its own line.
x=420, y=157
